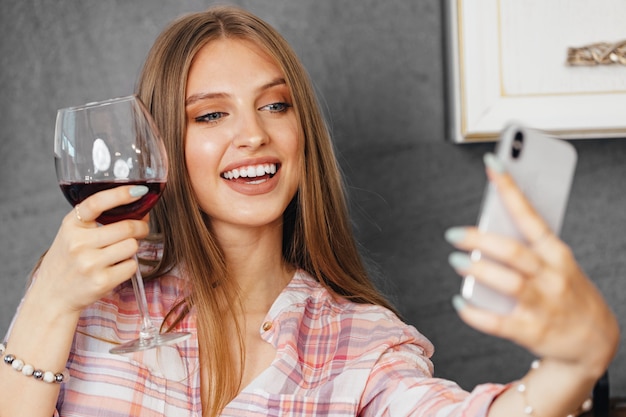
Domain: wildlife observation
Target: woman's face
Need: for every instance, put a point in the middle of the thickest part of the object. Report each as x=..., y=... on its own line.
x=243, y=145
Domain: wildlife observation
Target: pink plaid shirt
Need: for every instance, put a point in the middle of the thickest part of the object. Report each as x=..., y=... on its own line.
x=333, y=358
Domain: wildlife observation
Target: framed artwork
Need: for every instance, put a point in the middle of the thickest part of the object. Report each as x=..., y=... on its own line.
x=557, y=65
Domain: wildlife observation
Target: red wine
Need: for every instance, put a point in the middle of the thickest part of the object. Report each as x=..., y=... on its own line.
x=76, y=192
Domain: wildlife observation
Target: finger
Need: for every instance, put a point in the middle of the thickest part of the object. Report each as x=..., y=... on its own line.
x=524, y=325
x=502, y=279
x=502, y=249
x=509, y=266
x=92, y=207
x=77, y=212
x=118, y=231
x=121, y=272
x=530, y=224
x=477, y=318
x=118, y=253
x=75, y=218
x=103, y=282
x=90, y=263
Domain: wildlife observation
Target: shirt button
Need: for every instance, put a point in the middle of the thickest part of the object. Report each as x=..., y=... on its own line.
x=266, y=326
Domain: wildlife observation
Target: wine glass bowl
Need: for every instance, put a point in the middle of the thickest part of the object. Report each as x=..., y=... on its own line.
x=103, y=145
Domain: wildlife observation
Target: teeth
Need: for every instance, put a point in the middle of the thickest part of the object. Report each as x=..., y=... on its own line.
x=251, y=171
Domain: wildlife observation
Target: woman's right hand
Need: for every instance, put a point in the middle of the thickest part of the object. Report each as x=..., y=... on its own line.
x=85, y=260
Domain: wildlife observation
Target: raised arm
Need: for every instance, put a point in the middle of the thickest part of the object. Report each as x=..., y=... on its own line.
x=560, y=316
x=84, y=263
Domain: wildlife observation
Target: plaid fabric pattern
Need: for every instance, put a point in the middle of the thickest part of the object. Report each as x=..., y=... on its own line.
x=334, y=358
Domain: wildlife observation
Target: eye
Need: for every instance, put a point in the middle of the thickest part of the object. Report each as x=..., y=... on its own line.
x=210, y=117
x=276, y=107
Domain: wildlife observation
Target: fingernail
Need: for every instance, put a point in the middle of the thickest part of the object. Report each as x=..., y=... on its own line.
x=455, y=234
x=138, y=190
x=458, y=302
x=493, y=163
x=459, y=260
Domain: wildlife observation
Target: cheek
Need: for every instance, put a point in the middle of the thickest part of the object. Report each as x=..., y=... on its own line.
x=200, y=157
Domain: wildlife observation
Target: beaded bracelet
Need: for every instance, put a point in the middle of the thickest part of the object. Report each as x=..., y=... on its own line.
x=529, y=410
x=29, y=370
x=521, y=388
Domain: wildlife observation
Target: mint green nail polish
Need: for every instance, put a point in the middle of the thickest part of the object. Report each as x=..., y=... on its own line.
x=493, y=162
x=458, y=302
x=459, y=260
x=138, y=190
x=455, y=234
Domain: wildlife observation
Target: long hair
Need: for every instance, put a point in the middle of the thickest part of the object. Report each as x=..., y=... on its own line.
x=317, y=232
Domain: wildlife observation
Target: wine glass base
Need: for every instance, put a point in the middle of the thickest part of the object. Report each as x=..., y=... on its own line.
x=150, y=343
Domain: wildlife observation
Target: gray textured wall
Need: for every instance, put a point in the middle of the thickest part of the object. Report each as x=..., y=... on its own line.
x=378, y=67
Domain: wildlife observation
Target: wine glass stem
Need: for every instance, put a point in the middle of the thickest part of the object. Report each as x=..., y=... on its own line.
x=148, y=330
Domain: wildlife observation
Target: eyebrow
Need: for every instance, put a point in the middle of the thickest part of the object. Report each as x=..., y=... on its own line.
x=205, y=96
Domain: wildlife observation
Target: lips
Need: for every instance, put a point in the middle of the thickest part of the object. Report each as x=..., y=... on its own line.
x=252, y=173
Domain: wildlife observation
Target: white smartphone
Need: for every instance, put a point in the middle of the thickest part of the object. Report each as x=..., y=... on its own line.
x=543, y=167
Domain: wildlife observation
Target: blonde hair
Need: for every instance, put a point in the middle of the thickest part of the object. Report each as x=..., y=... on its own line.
x=317, y=233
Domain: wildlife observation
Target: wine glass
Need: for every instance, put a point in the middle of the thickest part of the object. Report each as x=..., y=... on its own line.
x=106, y=144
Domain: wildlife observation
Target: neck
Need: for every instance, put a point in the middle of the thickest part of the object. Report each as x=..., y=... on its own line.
x=256, y=264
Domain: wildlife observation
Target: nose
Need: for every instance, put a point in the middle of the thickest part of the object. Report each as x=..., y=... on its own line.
x=250, y=133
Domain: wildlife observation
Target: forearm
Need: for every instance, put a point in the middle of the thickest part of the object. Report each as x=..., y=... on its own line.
x=41, y=336
x=554, y=389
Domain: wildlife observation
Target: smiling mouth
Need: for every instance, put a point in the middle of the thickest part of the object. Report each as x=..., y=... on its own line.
x=252, y=174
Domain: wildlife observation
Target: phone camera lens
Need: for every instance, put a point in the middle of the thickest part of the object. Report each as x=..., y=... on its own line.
x=518, y=144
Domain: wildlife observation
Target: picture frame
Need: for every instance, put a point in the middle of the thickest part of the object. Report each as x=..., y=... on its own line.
x=507, y=61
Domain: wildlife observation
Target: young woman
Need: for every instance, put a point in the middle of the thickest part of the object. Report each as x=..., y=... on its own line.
x=252, y=252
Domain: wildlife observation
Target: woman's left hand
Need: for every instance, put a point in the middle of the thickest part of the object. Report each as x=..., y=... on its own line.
x=559, y=312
